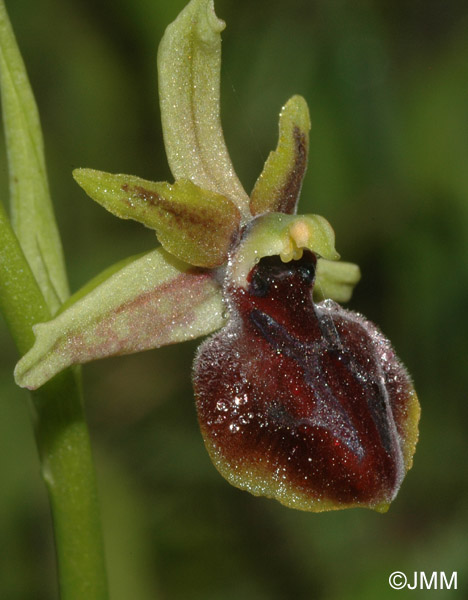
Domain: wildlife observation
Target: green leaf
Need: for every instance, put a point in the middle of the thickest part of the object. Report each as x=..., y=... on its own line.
x=31, y=208
x=189, y=62
x=335, y=280
x=21, y=301
x=279, y=185
x=151, y=302
x=195, y=225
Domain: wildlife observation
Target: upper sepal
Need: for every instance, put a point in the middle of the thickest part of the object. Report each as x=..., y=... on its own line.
x=150, y=302
x=195, y=225
x=189, y=65
x=279, y=185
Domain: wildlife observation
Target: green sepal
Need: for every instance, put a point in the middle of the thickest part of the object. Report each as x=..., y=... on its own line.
x=31, y=207
x=335, y=280
x=151, y=302
x=279, y=185
x=189, y=64
x=195, y=225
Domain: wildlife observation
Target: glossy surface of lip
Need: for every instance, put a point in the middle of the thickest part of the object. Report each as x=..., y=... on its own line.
x=304, y=402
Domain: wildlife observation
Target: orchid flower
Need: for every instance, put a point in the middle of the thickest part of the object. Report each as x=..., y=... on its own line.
x=298, y=399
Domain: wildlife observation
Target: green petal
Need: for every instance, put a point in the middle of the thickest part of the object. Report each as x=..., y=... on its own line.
x=283, y=235
x=189, y=62
x=153, y=301
x=195, y=225
x=31, y=208
x=279, y=185
x=335, y=280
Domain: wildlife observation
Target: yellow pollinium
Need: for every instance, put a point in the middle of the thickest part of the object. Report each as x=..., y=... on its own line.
x=284, y=235
x=298, y=240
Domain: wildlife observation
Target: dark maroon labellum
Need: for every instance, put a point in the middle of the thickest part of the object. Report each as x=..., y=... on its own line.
x=301, y=402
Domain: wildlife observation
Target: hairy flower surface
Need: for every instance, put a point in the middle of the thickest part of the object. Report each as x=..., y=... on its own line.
x=298, y=399
x=304, y=402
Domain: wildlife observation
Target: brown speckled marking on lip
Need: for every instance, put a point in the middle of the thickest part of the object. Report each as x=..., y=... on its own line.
x=298, y=396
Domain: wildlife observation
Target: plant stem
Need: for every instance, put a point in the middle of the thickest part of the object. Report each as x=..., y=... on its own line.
x=68, y=471
x=61, y=434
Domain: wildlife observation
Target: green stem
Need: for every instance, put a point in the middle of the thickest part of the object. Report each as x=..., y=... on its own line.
x=68, y=471
x=61, y=434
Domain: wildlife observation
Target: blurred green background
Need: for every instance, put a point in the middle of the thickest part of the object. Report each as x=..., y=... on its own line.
x=387, y=86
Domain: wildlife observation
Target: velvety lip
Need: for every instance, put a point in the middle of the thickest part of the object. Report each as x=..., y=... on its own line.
x=303, y=396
